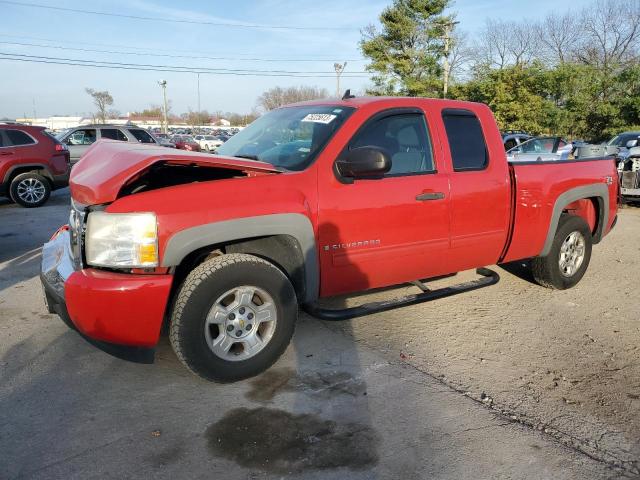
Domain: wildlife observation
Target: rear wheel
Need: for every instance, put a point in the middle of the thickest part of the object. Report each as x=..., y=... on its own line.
x=233, y=317
x=569, y=256
x=30, y=189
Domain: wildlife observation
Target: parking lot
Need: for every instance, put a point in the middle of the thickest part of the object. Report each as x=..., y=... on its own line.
x=509, y=381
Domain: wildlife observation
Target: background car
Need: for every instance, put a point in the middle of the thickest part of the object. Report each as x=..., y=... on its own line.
x=164, y=139
x=32, y=164
x=185, y=142
x=209, y=143
x=79, y=139
x=513, y=138
x=541, y=149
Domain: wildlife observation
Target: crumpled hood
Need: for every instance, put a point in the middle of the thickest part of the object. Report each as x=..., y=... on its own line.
x=109, y=164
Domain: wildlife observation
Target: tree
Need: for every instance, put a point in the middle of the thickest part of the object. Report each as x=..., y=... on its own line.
x=517, y=96
x=611, y=32
x=406, y=54
x=279, y=96
x=101, y=100
x=503, y=44
x=197, y=118
x=559, y=35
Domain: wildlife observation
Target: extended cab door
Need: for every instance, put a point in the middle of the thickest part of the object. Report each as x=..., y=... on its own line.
x=389, y=230
x=480, y=188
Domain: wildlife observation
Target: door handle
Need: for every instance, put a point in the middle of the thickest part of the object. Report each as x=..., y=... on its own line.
x=6, y=153
x=424, y=197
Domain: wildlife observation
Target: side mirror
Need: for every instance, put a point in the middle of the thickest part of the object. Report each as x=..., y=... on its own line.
x=364, y=162
x=632, y=143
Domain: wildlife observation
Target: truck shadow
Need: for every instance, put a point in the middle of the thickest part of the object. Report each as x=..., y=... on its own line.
x=520, y=269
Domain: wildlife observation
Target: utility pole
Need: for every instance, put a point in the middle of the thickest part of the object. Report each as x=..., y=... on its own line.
x=339, y=68
x=163, y=84
x=199, y=95
x=448, y=27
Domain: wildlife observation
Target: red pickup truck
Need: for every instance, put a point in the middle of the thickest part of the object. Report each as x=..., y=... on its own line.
x=312, y=200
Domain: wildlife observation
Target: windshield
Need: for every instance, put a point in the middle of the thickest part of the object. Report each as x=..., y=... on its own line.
x=289, y=137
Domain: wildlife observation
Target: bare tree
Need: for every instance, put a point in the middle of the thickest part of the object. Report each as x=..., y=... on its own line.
x=279, y=96
x=559, y=36
x=101, y=100
x=493, y=45
x=611, y=32
x=523, y=43
x=460, y=55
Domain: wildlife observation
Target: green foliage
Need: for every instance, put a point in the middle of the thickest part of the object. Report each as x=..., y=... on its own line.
x=406, y=54
x=571, y=99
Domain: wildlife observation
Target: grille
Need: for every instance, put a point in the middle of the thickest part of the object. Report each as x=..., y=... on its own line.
x=629, y=179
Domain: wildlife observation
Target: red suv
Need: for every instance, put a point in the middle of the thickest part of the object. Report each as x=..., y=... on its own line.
x=32, y=164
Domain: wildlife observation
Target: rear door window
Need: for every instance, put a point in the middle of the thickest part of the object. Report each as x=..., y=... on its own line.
x=17, y=138
x=466, y=140
x=142, y=136
x=113, y=134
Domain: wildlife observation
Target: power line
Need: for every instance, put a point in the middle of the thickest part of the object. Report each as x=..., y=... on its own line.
x=174, y=67
x=139, y=50
x=193, y=57
x=160, y=68
x=172, y=20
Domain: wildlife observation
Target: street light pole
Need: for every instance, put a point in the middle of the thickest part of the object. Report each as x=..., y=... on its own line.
x=339, y=68
x=163, y=84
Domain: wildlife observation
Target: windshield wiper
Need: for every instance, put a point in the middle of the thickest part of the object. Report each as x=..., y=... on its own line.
x=248, y=157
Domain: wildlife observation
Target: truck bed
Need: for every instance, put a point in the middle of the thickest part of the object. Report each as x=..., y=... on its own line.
x=540, y=189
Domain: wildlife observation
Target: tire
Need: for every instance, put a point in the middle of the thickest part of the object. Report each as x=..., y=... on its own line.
x=30, y=190
x=547, y=270
x=199, y=306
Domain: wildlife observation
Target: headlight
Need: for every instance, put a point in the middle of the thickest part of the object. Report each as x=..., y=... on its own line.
x=122, y=240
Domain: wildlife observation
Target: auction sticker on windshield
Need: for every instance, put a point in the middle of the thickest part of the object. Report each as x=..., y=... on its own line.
x=319, y=118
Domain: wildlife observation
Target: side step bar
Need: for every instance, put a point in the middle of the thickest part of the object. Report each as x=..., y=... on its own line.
x=490, y=278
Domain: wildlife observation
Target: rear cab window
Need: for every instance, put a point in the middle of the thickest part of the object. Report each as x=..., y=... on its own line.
x=466, y=140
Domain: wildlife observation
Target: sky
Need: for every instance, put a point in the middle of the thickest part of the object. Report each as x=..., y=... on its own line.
x=324, y=32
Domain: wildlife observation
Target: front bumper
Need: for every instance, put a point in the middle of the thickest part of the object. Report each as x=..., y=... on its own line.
x=118, y=308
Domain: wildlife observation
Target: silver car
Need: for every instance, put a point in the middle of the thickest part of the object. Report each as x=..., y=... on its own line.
x=539, y=149
x=79, y=139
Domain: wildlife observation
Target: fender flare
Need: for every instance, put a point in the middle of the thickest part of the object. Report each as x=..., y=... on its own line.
x=296, y=225
x=33, y=166
x=599, y=191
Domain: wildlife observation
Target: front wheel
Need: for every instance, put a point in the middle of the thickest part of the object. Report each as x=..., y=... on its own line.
x=569, y=257
x=233, y=317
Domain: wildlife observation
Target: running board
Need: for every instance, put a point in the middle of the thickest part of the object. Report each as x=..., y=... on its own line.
x=489, y=278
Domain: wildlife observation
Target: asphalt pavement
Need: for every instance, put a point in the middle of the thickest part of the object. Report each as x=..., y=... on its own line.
x=335, y=406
